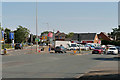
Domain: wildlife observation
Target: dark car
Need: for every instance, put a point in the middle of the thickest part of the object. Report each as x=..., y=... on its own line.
x=98, y=50
x=18, y=46
x=60, y=49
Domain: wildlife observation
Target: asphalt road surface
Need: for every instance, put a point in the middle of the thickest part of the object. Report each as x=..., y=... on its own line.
x=48, y=65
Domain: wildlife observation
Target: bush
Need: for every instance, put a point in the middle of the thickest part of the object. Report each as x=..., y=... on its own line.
x=6, y=46
x=116, y=43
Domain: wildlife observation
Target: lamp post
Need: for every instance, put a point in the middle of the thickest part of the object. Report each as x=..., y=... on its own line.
x=0, y=41
x=36, y=27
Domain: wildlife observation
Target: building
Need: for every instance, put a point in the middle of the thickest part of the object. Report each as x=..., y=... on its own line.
x=86, y=37
x=104, y=36
x=60, y=36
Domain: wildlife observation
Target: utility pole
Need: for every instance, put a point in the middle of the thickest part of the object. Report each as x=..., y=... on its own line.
x=79, y=42
x=31, y=40
x=36, y=27
x=0, y=41
x=54, y=37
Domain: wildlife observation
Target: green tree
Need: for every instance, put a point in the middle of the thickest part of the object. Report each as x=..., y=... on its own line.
x=116, y=33
x=21, y=34
x=1, y=28
x=45, y=32
x=70, y=35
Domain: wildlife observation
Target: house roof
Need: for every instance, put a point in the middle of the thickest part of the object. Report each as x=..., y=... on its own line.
x=60, y=34
x=84, y=36
x=106, y=37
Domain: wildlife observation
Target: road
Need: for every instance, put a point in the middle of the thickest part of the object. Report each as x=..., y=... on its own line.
x=48, y=65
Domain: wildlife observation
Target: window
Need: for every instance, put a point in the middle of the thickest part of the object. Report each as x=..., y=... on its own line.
x=60, y=37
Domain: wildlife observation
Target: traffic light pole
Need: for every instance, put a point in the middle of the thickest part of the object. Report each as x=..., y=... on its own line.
x=54, y=37
x=5, y=37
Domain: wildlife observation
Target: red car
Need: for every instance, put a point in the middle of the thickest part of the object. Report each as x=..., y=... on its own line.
x=98, y=50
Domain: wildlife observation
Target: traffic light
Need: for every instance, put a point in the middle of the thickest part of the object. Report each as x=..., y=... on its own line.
x=5, y=36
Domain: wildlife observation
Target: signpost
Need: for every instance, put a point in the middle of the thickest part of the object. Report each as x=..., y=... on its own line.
x=37, y=39
x=11, y=36
x=79, y=42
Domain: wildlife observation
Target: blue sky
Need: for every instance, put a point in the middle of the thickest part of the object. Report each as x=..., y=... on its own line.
x=63, y=16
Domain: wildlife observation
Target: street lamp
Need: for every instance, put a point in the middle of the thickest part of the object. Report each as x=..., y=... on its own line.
x=36, y=27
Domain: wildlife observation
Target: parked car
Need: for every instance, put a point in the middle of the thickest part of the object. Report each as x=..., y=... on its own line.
x=87, y=47
x=108, y=46
x=73, y=46
x=30, y=44
x=112, y=50
x=18, y=46
x=98, y=50
x=92, y=47
x=83, y=47
x=104, y=50
x=118, y=47
x=60, y=49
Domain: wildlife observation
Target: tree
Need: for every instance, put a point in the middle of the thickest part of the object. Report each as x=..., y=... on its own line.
x=1, y=28
x=70, y=35
x=115, y=33
x=45, y=32
x=21, y=34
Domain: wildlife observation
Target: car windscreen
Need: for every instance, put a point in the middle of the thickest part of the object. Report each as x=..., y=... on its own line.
x=112, y=48
x=73, y=45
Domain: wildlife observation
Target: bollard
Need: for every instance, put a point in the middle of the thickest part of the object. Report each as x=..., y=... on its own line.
x=74, y=51
x=5, y=51
x=49, y=49
x=39, y=49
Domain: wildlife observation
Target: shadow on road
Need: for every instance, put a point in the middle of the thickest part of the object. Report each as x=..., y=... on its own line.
x=108, y=59
x=101, y=77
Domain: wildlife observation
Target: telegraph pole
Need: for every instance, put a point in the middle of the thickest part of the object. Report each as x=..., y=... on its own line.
x=36, y=27
x=54, y=37
x=0, y=41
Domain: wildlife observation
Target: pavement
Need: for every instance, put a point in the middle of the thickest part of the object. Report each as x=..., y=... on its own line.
x=106, y=70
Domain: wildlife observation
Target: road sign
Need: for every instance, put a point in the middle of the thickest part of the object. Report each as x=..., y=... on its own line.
x=44, y=37
x=11, y=35
x=50, y=34
x=37, y=39
x=2, y=34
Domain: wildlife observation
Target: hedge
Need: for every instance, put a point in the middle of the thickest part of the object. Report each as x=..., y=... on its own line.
x=116, y=43
x=6, y=46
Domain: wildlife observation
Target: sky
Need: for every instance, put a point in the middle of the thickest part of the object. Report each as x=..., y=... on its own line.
x=78, y=17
